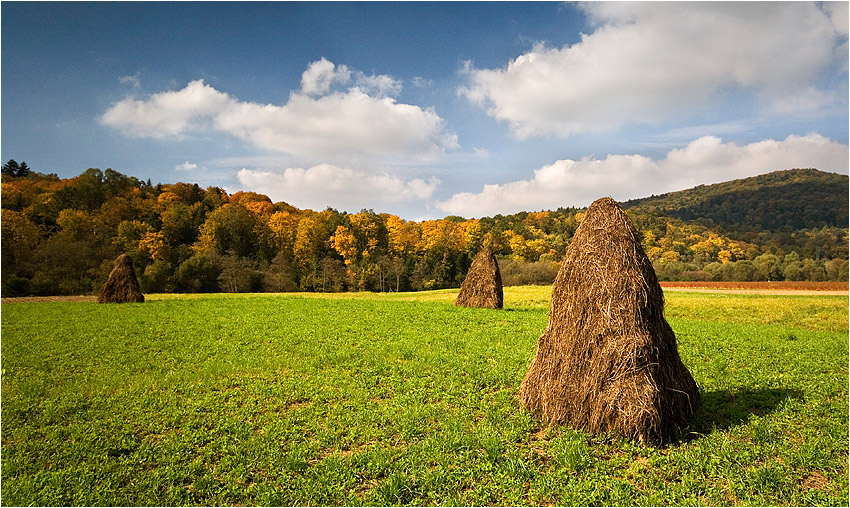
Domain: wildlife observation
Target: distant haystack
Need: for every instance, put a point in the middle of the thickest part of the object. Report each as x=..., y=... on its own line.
x=482, y=286
x=608, y=360
x=121, y=286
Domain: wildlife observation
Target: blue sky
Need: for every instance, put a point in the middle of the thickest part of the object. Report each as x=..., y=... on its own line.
x=427, y=109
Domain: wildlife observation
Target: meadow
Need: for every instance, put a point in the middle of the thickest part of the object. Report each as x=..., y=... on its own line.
x=402, y=399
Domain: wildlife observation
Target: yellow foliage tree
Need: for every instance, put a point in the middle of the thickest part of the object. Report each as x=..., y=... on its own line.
x=442, y=234
x=403, y=236
x=260, y=207
x=669, y=256
x=364, y=227
x=654, y=253
x=516, y=242
x=283, y=227
x=473, y=235
x=345, y=244
x=166, y=199
x=535, y=248
x=20, y=236
x=153, y=244
x=309, y=238
x=75, y=223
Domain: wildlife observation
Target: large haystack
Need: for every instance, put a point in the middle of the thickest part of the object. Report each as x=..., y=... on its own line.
x=608, y=360
x=121, y=286
x=482, y=286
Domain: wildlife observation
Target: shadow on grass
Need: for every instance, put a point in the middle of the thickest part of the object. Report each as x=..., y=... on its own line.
x=528, y=310
x=723, y=409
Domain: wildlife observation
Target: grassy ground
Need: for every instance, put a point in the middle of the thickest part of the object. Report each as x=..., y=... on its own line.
x=401, y=399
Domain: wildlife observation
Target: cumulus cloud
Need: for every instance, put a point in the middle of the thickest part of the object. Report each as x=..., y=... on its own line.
x=168, y=114
x=321, y=75
x=186, y=166
x=420, y=82
x=650, y=62
x=326, y=185
x=353, y=123
x=703, y=161
x=133, y=81
x=317, y=121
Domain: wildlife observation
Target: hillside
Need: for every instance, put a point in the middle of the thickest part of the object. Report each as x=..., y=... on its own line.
x=60, y=237
x=780, y=201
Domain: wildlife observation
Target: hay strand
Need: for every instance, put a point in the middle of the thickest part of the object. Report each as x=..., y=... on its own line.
x=482, y=286
x=608, y=360
x=121, y=286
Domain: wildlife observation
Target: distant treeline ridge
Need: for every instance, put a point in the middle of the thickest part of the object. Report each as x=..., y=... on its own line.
x=60, y=237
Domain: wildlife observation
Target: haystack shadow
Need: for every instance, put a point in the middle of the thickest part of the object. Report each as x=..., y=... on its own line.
x=724, y=409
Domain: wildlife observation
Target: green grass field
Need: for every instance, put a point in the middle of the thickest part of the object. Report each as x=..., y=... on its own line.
x=401, y=399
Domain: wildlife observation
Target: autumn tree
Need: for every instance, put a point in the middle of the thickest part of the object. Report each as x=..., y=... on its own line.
x=311, y=245
x=345, y=244
x=20, y=237
x=230, y=229
x=404, y=237
x=282, y=230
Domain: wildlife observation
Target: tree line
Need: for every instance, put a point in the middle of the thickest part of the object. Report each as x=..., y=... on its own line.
x=60, y=237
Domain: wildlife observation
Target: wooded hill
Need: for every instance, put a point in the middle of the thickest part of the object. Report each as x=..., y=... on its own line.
x=60, y=236
x=779, y=201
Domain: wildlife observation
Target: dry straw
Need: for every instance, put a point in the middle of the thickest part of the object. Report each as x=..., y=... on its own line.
x=482, y=286
x=121, y=286
x=608, y=360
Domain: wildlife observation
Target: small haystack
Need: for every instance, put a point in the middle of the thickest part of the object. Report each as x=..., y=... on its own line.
x=121, y=286
x=482, y=286
x=608, y=360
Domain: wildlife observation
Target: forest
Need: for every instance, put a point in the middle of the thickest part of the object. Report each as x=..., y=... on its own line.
x=61, y=236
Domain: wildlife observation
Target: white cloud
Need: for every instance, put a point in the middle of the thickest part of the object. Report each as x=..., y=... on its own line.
x=326, y=185
x=704, y=161
x=133, y=81
x=316, y=122
x=839, y=14
x=420, y=82
x=481, y=153
x=353, y=124
x=381, y=85
x=650, y=62
x=186, y=166
x=167, y=114
x=321, y=75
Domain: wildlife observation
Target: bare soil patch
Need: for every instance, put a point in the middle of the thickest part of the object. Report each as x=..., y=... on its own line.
x=775, y=285
x=763, y=287
x=37, y=299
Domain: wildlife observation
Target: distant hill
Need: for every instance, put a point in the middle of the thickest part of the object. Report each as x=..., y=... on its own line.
x=60, y=236
x=780, y=201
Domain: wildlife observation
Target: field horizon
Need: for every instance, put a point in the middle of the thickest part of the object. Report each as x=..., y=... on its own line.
x=402, y=399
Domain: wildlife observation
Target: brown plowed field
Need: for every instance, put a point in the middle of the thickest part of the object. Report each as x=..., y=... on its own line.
x=773, y=285
x=778, y=287
x=764, y=288
x=33, y=299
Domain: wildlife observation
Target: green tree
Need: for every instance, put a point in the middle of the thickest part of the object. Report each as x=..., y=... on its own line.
x=793, y=267
x=198, y=274
x=157, y=277
x=769, y=267
x=12, y=168
x=230, y=229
